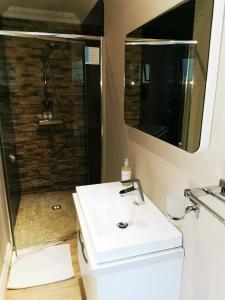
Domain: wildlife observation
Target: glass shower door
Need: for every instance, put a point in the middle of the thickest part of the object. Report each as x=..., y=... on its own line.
x=7, y=143
x=56, y=151
x=11, y=177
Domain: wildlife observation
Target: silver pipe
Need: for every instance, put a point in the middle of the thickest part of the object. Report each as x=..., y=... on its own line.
x=210, y=192
x=50, y=36
x=158, y=42
x=188, y=193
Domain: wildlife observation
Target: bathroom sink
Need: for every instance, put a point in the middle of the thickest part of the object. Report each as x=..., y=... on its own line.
x=147, y=229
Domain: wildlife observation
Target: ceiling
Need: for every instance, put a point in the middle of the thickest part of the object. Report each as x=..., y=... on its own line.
x=80, y=8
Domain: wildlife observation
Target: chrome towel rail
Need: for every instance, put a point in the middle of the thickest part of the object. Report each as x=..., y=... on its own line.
x=194, y=199
x=194, y=194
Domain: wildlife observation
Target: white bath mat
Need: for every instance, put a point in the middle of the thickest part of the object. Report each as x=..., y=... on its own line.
x=49, y=265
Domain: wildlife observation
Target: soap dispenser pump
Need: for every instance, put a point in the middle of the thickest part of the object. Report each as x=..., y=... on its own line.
x=126, y=172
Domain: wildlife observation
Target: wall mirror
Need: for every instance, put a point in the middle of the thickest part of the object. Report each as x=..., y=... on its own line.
x=171, y=66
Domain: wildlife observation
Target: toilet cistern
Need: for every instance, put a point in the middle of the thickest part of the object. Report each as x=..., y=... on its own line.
x=126, y=191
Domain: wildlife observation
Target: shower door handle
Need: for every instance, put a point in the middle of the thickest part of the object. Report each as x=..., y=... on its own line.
x=12, y=157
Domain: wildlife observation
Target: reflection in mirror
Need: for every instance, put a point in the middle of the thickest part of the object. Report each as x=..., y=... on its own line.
x=166, y=62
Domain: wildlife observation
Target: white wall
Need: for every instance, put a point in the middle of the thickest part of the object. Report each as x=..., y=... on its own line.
x=163, y=168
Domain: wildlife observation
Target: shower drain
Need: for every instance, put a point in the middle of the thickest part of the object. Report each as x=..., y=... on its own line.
x=122, y=225
x=56, y=207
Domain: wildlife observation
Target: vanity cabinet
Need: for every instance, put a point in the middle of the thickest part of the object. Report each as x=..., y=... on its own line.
x=150, y=275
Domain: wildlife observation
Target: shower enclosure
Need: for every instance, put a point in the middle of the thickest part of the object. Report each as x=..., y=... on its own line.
x=50, y=97
x=7, y=142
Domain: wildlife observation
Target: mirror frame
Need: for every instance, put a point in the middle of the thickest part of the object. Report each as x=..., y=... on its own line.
x=212, y=73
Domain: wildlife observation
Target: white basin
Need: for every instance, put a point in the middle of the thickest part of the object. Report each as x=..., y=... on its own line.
x=143, y=261
x=148, y=230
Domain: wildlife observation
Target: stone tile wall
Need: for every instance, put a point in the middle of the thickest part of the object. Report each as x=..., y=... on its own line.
x=49, y=158
x=39, y=26
x=132, y=97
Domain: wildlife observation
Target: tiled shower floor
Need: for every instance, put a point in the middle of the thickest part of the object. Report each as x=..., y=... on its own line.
x=37, y=223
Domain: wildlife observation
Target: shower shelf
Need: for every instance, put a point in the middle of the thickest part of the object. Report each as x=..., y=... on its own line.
x=50, y=122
